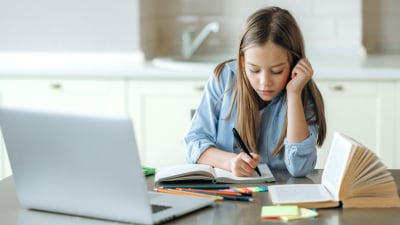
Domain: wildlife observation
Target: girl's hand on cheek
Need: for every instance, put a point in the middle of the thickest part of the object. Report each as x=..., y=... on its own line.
x=301, y=74
x=243, y=165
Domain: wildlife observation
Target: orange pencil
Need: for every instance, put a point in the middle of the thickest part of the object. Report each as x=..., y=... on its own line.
x=211, y=191
x=188, y=193
x=228, y=197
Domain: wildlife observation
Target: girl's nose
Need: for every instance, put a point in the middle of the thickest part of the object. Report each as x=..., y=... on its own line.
x=265, y=80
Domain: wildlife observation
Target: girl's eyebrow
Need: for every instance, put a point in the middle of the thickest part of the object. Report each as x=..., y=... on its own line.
x=251, y=64
x=279, y=64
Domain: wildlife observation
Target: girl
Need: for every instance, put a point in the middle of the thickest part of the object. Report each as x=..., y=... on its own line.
x=268, y=95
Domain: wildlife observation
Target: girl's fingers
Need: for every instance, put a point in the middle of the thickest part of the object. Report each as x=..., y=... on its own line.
x=243, y=165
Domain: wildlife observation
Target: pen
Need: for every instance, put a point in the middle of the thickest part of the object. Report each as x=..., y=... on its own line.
x=239, y=140
x=188, y=193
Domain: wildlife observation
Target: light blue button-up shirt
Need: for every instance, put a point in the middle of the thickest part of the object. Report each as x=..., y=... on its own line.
x=211, y=128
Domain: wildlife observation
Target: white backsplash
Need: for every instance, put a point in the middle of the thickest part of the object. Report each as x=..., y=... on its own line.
x=339, y=27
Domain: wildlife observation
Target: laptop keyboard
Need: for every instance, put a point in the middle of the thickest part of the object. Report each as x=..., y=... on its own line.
x=158, y=208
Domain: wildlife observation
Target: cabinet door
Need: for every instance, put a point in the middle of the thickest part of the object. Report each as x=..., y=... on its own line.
x=362, y=110
x=161, y=111
x=104, y=96
x=5, y=169
x=92, y=96
x=396, y=150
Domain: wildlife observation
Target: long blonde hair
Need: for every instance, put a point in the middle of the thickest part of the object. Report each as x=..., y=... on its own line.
x=279, y=26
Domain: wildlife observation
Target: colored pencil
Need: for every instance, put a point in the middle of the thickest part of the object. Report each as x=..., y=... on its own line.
x=224, y=196
x=217, y=192
x=238, y=198
x=244, y=193
x=211, y=187
x=188, y=193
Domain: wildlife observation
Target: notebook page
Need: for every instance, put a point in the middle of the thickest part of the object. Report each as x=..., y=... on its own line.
x=266, y=175
x=299, y=193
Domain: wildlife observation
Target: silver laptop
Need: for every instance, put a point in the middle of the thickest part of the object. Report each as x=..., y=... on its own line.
x=85, y=165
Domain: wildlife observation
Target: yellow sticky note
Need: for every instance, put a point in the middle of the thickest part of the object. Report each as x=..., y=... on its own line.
x=276, y=212
x=304, y=213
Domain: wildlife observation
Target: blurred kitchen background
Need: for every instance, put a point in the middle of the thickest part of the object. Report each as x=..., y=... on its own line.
x=125, y=56
x=156, y=26
x=338, y=27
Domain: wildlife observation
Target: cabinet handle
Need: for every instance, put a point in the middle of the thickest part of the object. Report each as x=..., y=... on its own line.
x=56, y=86
x=337, y=87
x=199, y=88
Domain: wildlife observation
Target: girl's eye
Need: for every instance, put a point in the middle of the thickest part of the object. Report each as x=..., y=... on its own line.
x=254, y=71
x=277, y=72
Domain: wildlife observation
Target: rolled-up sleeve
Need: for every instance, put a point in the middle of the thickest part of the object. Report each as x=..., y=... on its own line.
x=202, y=132
x=301, y=157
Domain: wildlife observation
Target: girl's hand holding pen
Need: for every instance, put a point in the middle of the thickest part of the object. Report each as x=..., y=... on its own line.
x=243, y=165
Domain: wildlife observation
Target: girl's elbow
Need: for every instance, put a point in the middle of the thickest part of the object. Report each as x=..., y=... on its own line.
x=190, y=158
x=303, y=169
x=298, y=173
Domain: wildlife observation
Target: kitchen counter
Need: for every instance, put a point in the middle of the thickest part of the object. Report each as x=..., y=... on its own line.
x=121, y=65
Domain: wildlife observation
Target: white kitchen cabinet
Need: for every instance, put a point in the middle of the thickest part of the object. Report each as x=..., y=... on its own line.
x=78, y=95
x=396, y=150
x=161, y=111
x=83, y=95
x=5, y=169
x=363, y=110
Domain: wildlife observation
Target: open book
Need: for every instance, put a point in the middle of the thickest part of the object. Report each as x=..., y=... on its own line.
x=353, y=175
x=201, y=172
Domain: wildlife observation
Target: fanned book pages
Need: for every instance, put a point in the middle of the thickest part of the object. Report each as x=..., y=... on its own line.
x=201, y=172
x=353, y=177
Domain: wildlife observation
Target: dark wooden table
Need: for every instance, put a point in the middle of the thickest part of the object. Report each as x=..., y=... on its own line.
x=245, y=213
x=224, y=212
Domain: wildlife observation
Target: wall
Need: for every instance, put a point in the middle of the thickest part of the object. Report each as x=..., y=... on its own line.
x=333, y=27
x=69, y=26
x=112, y=25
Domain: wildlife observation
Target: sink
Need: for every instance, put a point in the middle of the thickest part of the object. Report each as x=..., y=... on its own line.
x=207, y=62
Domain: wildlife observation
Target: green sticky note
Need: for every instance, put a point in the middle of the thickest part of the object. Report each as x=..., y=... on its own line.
x=275, y=212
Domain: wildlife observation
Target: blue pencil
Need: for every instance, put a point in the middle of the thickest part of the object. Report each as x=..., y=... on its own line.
x=238, y=198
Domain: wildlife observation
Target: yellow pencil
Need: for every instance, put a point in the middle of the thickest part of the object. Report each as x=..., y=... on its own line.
x=188, y=193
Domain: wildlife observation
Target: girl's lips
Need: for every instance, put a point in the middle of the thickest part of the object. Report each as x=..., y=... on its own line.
x=267, y=92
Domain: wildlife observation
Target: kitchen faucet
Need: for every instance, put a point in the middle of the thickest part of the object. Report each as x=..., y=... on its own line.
x=189, y=47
